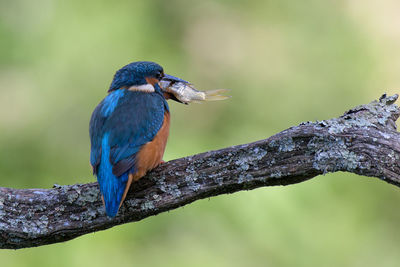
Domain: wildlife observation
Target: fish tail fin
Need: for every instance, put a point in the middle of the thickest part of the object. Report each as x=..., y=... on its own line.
x=215, y=95
x=111, y=187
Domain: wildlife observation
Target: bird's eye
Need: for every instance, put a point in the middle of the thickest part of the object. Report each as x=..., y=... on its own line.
x=159, y=75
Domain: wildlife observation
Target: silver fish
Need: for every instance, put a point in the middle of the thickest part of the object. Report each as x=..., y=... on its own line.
x=186, y=93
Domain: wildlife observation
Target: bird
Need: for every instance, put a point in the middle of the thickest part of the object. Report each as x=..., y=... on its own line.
x=128, y=130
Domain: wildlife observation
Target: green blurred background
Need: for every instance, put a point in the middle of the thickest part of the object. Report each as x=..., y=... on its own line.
x=284, y=61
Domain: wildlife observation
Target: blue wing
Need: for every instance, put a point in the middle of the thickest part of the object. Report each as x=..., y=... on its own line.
x=122, y=123
x=134, y=123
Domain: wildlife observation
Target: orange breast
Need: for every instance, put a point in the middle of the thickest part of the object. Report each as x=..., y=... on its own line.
x=151, y=154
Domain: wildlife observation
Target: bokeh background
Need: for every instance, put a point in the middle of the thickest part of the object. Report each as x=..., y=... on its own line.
x=284, y=61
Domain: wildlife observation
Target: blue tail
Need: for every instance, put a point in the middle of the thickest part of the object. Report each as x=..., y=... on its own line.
x=112, y=188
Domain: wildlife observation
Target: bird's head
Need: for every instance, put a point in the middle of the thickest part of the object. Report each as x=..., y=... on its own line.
x=142, y=76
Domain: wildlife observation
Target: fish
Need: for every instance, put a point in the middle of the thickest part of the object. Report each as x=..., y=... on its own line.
x=186, y=93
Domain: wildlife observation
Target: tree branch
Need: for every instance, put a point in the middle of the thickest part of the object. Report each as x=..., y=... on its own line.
x=363, y=141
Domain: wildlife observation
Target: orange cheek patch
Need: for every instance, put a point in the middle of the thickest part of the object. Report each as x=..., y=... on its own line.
x=151, y=80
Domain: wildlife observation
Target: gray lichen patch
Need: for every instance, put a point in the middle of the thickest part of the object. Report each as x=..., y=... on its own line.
x=377, y=113
x=40, y=207
x=89, y=215
x=393, y=157
x=285, y=144
x=336, y=127
x=335, y=160
x=173, y=190
x=90, y=196
x=192, y=176
x=72, y=197
x=43, y=221
x=192, y=181
x=61, y=188
x=156, y=197
x=245, y=178
x=132, y=203
x=243, y=163
x=277, y=174
x=32, y=228
x=332, y=154
x=74, y=217
x=193, y=186
x=259, y=153
x=147, y=205
x=245, y=160
x=385, y=135
x=168, y=188
x=2, y=211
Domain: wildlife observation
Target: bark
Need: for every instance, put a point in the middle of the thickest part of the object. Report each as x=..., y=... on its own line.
x=363, y=141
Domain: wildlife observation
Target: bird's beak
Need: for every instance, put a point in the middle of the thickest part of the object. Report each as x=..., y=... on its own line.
x=173, y=79
x=167, y=83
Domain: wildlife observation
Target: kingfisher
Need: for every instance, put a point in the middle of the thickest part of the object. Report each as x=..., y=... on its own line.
x=129, y=130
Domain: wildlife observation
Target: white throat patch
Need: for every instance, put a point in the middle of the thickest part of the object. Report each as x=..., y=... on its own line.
x=148, y=88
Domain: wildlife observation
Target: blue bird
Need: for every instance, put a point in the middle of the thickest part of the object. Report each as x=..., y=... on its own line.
x=129, y=130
